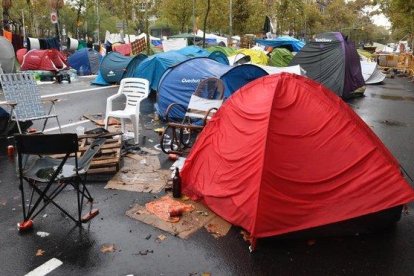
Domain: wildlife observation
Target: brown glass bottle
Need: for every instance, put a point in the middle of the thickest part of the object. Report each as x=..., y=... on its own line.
x=176, y=184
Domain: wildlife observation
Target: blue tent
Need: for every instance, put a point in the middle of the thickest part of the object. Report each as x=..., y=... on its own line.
x=85, y=61
x=179, y=82
x=239, y=76
x=99, y=80
x=113, y=67
x=132, y=68
x=154, y=66
x=290, y=43
x=219, y=57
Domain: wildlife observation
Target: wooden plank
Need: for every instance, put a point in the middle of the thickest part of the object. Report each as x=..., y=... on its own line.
x=104, y=162
x=108, y=170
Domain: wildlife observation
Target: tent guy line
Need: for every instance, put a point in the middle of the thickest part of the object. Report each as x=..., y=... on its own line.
x=72, y=92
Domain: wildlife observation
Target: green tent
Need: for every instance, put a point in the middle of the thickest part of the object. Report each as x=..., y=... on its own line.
x=82, y=44
x=225, y=50
x=365, y=54
x=280, y=57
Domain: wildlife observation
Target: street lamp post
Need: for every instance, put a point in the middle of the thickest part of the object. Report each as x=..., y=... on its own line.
x=55, y=5
x=230, y=22
x=194, y=23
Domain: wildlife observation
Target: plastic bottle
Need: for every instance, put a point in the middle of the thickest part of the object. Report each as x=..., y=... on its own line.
x=176, y=184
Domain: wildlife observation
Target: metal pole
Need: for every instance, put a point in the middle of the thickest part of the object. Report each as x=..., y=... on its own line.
x=24, y=27
x=99, y=21
x=194, y=26
x=231, y=18
x=57, y=25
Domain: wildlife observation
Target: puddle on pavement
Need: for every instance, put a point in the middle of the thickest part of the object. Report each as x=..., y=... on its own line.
x=392, y=98
x=392, y=123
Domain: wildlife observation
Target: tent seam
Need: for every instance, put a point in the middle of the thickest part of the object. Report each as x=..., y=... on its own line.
x=264, y=158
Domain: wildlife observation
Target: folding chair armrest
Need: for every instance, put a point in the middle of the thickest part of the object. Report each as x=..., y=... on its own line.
x=137, y=107
x=51, y=100
x=170, y=107
x=12, y=104
x=206, y=118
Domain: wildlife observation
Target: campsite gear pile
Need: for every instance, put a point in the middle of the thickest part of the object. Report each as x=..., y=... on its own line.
x=43, y=169
x=204, y=103
x=282, y=154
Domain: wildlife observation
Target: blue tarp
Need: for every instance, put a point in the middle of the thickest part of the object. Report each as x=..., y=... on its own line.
x=155, y=66
x=291, y=43
x=193, y=51
x=179, y=82
x=85, y=61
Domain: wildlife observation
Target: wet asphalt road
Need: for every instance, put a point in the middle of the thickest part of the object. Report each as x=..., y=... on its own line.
x=388, y=109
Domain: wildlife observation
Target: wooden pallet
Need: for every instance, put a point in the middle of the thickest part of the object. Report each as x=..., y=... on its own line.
x=107, y=159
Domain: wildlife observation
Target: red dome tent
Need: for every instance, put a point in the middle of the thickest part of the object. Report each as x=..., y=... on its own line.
x=285, y=154
x=20, y=55
x=48, y=60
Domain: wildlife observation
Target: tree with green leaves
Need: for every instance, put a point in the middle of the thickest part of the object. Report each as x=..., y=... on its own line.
x=241, y=13
x=177, y=12
x=401, y=15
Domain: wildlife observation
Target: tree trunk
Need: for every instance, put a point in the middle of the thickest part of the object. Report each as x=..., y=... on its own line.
x=78, y=18
x=205, y=23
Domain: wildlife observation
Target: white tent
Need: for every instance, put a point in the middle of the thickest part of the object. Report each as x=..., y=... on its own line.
x=295, y=69
x=174, y=44
x=371, y=73
x=213, y=36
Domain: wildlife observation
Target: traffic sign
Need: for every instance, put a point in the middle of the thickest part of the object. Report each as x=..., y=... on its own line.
x=53, y=17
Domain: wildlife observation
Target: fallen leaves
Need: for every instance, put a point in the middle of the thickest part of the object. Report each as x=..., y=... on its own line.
x=246, y=235
x=108, y=248
x=161, y=238
x=40, y=252
x=213, y=229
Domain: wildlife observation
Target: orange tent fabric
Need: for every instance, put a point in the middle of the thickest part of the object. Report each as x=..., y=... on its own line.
x=285, y=154
x=8, y=35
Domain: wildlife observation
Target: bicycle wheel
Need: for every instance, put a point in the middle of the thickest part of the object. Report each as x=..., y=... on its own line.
x=170, y=140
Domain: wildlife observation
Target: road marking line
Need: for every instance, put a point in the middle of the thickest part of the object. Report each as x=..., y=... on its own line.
x=78, y=91
x=72, y=92
x=45, y=268
x=67, y=125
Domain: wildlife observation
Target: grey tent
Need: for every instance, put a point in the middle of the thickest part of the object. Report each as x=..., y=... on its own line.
x=7, y=56
x=332, y=60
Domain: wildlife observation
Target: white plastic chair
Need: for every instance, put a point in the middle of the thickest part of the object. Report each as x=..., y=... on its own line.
x=135, y=90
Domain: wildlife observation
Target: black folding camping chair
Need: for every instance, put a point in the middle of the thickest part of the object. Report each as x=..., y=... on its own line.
x=40, y=171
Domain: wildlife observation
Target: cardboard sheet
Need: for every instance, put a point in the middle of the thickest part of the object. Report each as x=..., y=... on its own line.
x=189, y=222
x=139, y=174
